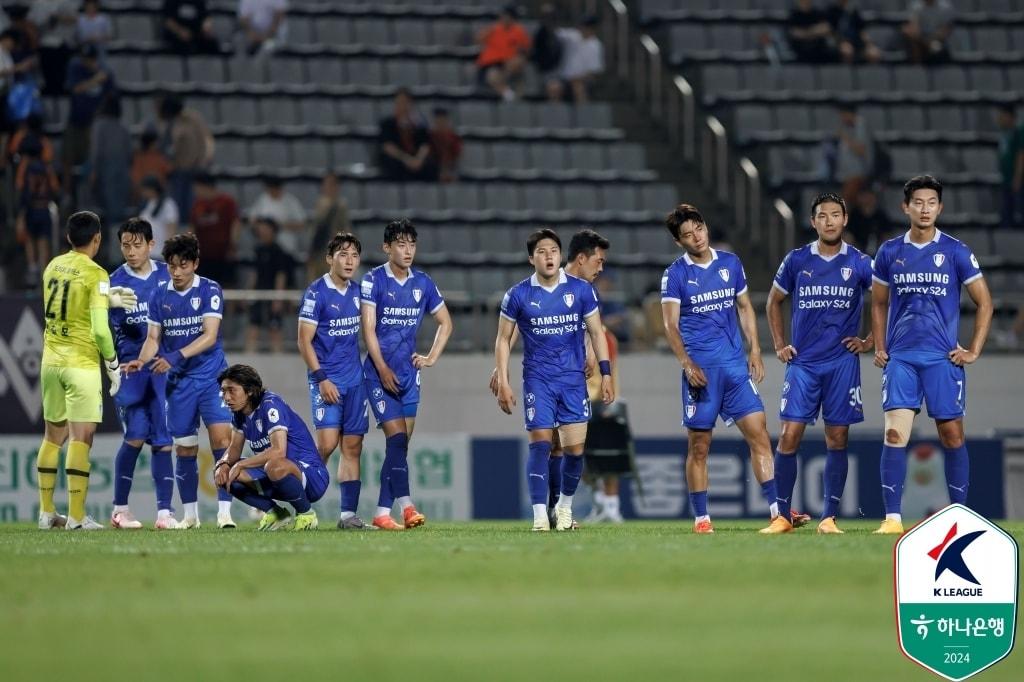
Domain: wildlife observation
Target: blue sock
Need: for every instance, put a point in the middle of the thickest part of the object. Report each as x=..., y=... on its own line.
x=836, y=466
x=785, y=481
x=572, y=471
x=554, y=479
x=251, y=497
x=699, y=503
x=187, y=473
x=163, y=478
x=396, y=461
x=350, y=495
x=537, y=471
x=958, y=473
x=124, y=471
x=222, y=494
x=769, y=492
x=289, y=489
x=893, y=467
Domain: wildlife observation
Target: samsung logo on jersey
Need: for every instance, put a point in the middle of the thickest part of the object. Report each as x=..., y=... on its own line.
x=408, y=312
x=260, y=445
x=713, y=295
x=824, y=290
x=343, y=326
x=920, y=278
x=183, y=321
x=554, y=319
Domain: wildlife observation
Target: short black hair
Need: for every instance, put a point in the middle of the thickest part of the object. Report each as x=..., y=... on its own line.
x=339, y=241
x=272, y=181
x=921, y=182
x=185, y=246
x=249, y=379
x=679, y=215
x=82, y=227
x=149, y=136
x=170, y=106
x=538, y=236
x=399, y=228
x=139, y=226
x=1008, y=108
x=587, y=241
x=268, y=221
x=827, y=198
x=204, y=178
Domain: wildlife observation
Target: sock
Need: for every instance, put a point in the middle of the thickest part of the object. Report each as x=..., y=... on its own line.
x=572, y=471
x=124, y=471
x=554, y=479
x=836, y=466
x=382, y=511
x=349, y=496
x=222, y=494
x=251, y=497
x=771, y=494
x=396, y=453
x=77, y=469
x=699, y=504
x=893, y=467
x=163, y=513
x=565, y=501
x=187, y=474
x=46, y=470
x=540, y=513
x=403, y=502
x=600, y=501
x=611, y=505
x=537, y=471
x=958, y=473
x=163, y=478
x=289, y=489
x=785, y=481
x=191, y=509
x=223, y=506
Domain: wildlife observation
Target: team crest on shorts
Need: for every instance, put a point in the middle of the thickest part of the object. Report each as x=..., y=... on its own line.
x=724, y=274
x=782, y=404
x=690, y=411
x=529, y=413
x=417, y=294
x=195, y=301
x=846, y=273
x=939, y=259
x=378, y=393
x=320, y=414
x=568, y=298
x=380, y=406
x=259, y=424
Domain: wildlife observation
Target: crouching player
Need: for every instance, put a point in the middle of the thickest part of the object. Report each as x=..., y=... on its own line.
x=285, y=466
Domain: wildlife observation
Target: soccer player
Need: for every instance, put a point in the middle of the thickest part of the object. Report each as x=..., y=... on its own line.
x=702, y=294
x=141, y=402
x=329, y=344
x=915, y=316
x=827, y=280
x=77, y=295
x=549, y=309
x=184, y=341
x=285, y=465
x=394, y=300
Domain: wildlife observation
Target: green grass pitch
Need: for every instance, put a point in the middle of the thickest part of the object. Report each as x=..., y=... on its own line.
x=455, y=601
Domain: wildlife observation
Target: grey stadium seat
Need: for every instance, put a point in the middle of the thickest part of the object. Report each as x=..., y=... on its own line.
x=334, y=30
x=327, y=70
x=239, y=110
x=981, y=159
x=301, y=30
x=383, y=196
x=553, y=115
x=594, y=115
x=502, y=196
x=279, y=111
x=451, y=32
x=134, y=27
x=365, y=71
x=355, y=111
x=543, y=198
x=286, y=70
x=947, y=118
x=906, y=161
x=753, y=117
x=627, y=156
x=580, y=197
x=412, y=32
x=907, y=118
x=619, y=197
x=271, y=153
x=515, y=115
x=474, y=155
x=659, y=197
x=206, y=106
x=317, y=111
x=372, y=31
x=793, y=117
x=126, y=67
x=910, y=78
x=461, y=197
x=586, y=156
x=310, y=153
x=721, y=78
x=509, y=156
x=165, y=68
x=404, y=72
x=473, y=113
x=949, y=78
x=230, y=151
x=444, y=72
x=350, y=152
x=873, y=78
x=206, y=69
x=988, y=78
x=421, y=196
x=837, y=77
x=548, y=155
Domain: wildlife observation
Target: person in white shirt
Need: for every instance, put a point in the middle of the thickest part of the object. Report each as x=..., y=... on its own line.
x=287, y=211
x=160, y=211
x=262, y=23
x=582, y=60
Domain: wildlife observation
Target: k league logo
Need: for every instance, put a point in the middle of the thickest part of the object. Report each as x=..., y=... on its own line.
x=530, y=398
x=724, y=274
x=378, y=393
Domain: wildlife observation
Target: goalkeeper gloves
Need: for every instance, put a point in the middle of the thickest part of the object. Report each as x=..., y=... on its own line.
x=123, y=297
x=113, y=368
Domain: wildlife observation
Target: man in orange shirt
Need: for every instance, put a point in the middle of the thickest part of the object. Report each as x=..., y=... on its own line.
x=504, y=46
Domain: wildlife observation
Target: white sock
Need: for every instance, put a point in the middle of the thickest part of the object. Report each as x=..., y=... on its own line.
x=191, y=510
x=540, y=513
x=894, y=517
x=774, y=509
x=702, y=518
x=611, y=505
x=120, y=508
x=600, y=500
x=565, y=501
x=347, y=515
x=383, y=511
x=224, y=507
x=403, y=502
x=163, y=513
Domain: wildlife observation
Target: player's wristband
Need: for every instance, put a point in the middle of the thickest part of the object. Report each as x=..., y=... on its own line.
x=606, y=368
x=173, y=358
x=219, y=463
x=318, y=375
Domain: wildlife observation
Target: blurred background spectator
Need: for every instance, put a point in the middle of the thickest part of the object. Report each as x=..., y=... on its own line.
x=927, y=31
x=38, y=191
x=189, y=144
x=110, y=164
x=329, y=217
x=160, y=210
x=94, y=27
x=868, y=224
x=287, y=214
x=614, y=313
x=88, y=83
x=1011, y=166
x=445, y=145
x=149, y=160
x=848, y=26
x=546, y=46
x=216, y=223
x=187, y=27
x=582, y=61
x=262, y=23
x=273, y=271
x=810, y=34
x=504, y=46
x=404, y=140
x=855, y=153
x=56, y=21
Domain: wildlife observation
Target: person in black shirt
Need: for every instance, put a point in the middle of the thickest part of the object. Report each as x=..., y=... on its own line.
x=810, y=35
x=274, y=272
x=868, y=225
x=187, y=27
x=405, y=143
x=848, y=26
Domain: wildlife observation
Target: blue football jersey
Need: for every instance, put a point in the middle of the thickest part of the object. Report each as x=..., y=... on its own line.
x=924, y=283
x=551, y=322
x=828, y=297
x=130, y=327
x=706, y=295
x=274, y=414
x=180, y=314
x=400, y=307
x=335, y=313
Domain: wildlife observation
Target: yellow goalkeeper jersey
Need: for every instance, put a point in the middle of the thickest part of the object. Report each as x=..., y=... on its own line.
x=73, y=284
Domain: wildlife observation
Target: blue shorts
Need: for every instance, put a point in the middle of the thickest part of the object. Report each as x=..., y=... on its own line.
x=549, y=404
x=388, y=406
x=188, y=400
x=833, y=388
x=730, y=393
x=142, y=407
x=315, y=479
x=908, y=379
x=349, y=415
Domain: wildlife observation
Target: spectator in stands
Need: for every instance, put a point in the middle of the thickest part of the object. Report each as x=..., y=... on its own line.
x=216, y=224
x=149, y=160
x=187, y=27
x=582, y=60
x=546, y=47
x=854, y=154
x=24, y=59
x=404, y=152
x=89, y=83
x=160, y=210
x=273, y=272
x=8, y=39
x=110, y=164
x=1011, y=166
x=287, y=213
x=614, y=313
x=868, y=225
x=31, y=127
x=38, y=189
x=330, y=216
x=927, y=32
x=504, y=46
x=848, y=27
x=810, y=34
x=94, y=27
x=190, y=145
x=56, y=21
x=446, y=145
x=262, y=24
x=25, y=26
